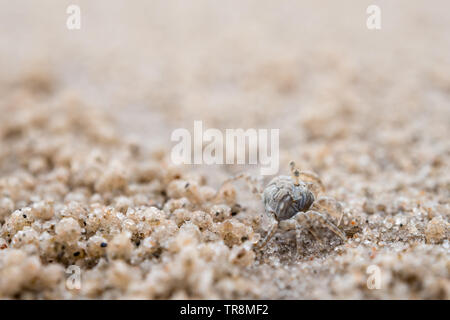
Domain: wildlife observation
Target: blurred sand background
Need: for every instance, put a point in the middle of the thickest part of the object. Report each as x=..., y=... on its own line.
x=369, y=111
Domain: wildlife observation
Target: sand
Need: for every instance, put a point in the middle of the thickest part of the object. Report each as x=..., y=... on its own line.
x=87, y=186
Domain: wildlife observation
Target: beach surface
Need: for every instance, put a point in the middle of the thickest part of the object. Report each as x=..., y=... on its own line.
x=92, y=206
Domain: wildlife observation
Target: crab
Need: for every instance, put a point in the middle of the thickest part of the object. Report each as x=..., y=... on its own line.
x=291, y=201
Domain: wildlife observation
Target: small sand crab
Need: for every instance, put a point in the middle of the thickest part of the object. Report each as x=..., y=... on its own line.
x=292, y=200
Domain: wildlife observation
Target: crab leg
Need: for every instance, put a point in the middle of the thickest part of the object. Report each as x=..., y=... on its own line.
x=331, y=226
x=270, y=233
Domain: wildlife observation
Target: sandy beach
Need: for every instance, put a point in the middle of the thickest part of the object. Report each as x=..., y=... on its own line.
x=93, y=207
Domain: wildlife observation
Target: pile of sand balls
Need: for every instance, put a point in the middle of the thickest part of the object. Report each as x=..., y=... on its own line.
x=74, y=195
x=77, y=195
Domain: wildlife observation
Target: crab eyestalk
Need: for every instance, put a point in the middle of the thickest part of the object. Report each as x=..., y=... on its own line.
x=295, y=173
